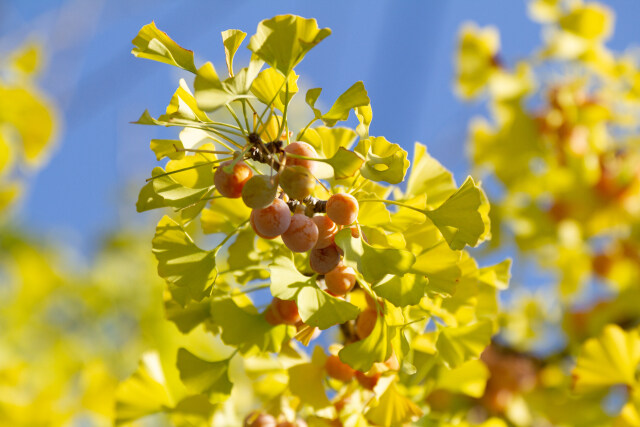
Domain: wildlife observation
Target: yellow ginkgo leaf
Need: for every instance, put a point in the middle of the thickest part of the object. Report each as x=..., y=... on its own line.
x=610, y=359
x=475, y=62
x=393, y=409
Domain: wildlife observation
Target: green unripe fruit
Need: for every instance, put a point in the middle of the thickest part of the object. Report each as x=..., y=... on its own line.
x=297, y=182
x=259, y=191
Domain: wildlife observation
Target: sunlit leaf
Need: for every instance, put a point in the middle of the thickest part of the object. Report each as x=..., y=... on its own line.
x=232, y=39
x=188, y=317
x=429, y=177
x=306, y=381
x=364, y=115
x=374, y=263
x=154, y=44
x=460, y=344
x=361, y=355
x=269, y=87
x=402, y=291
x=204, y=377
x=463, y=218
x=384, y=161
x=284, y=40
x=355, y=96
x=497, y=275
x=143, y=393
x=393, y=408
x=245, y=328
x=609, y=359
x=470, y=378
x=183, y=106
x=180, y=261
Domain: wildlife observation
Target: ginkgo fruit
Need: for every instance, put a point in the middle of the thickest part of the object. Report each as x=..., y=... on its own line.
x=339, y=370
x=367, y=381
x=259, y=191
x=259, y=419
x=327, y=230
x=301, y=235
x=273, y=220
x=297, y=182
x=342, y=208
x=324, y=260
x=231, y=184
x=365, y=323
x=340, y=280
x=282, y=311
x=301, y=149
x=297, y=423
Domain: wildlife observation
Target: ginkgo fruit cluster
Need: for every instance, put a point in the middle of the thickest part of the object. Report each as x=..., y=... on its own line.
x=316, y=223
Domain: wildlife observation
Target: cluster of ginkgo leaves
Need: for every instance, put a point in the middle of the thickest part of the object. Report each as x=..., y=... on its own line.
x=315, y=239
x=23, y=145
x=563, y=146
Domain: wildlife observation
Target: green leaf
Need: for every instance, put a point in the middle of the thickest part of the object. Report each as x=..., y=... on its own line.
x=192, y=407
x=306, y=381
x=181, y=262
x=211, y=93
x=316, y=307
x=375, y=214
x=429, y=177
x=167, y=148
x=364, y=115
x=458, y=345
x=440, y=264
x=148, y=199
x=470, y=378
x=156, y=45
x=345, y=163
x=497, y=275
x=384, y=161
x=204, y=377
x=224, y=216
x=310, y=98
x=355, y=96
x=243, y=255
x=183, y=106
x=188, y=317
x=463, y=218
x=402, y=291
x=270, y=86
x=284, y=40
x=328, y=141
x=243, y=327
x=393, y=409
x=175, y=194
x=232, y=39
x=361, y=355
x=609, y=359
x=286, y=280
x=374, y=263
x=143, y=393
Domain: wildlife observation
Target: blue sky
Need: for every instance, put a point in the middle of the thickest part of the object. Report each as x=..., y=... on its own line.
x=402, y=50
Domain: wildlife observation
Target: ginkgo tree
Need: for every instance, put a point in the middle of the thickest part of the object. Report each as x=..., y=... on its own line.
x=562, y=145
x=336, y=278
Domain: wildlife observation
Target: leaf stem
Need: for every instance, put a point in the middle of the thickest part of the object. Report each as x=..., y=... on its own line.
x=235, y=116
x=188, y=168
x=392, y=202
x=307, y=127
